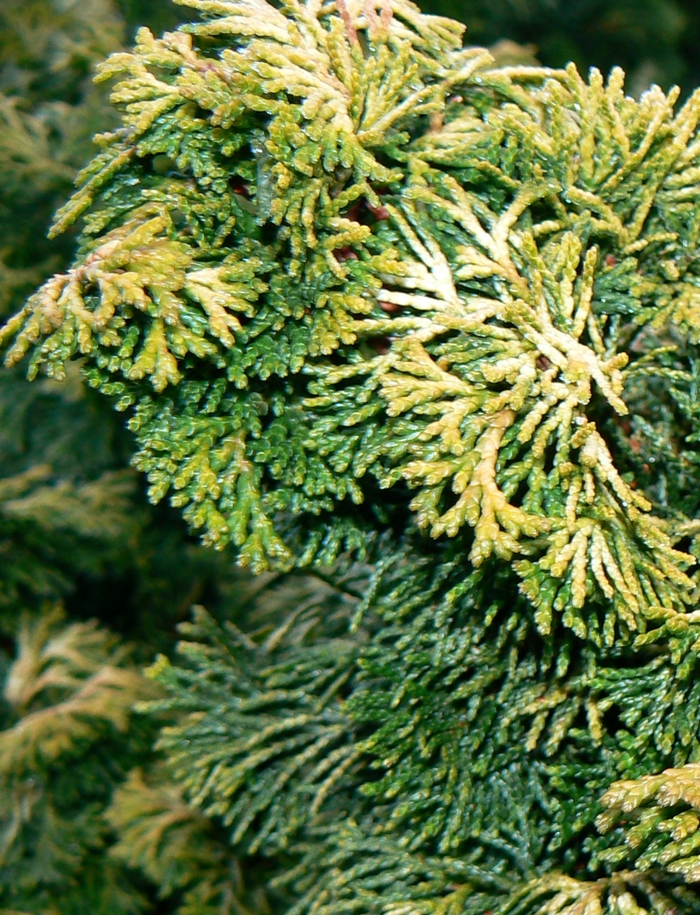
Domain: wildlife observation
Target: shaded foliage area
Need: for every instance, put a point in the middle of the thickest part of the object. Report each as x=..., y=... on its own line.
x=652, y=40
x=418, y=334
x=75, y=527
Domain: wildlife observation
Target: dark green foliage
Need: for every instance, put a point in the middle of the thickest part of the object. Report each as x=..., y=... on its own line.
x=650, y=39
x=74, y=524
x=416, y=333
x=480, y=748
x=500, y=240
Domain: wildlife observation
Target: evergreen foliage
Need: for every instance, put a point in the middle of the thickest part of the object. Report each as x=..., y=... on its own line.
x=49, y=110
x=74, y=525
x=66, y=710
x=418, y=335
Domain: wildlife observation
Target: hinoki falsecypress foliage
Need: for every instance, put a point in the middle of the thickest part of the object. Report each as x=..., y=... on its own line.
x=68, y=739
x=428, y=328
x=75, y=529
x=74, y=525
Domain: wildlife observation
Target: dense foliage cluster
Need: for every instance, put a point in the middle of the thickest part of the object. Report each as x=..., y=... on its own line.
x=416, y=333
x=75, y=528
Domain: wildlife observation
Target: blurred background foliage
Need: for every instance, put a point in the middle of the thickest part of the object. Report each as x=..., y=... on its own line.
x=654, y=41
x=78, y=539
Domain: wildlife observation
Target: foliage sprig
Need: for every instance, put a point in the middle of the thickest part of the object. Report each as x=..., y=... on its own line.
x=364, y=291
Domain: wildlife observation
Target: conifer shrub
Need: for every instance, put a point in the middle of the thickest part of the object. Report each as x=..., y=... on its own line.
x=75, y=528
x=67, y=739
x=421, y=332
x=74, y=524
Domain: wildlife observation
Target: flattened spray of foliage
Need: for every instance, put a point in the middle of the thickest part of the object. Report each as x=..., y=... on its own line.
x=369, y=298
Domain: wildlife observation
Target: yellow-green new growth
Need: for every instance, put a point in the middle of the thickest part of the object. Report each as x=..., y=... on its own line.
x=658, y=817
x=329, y=249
